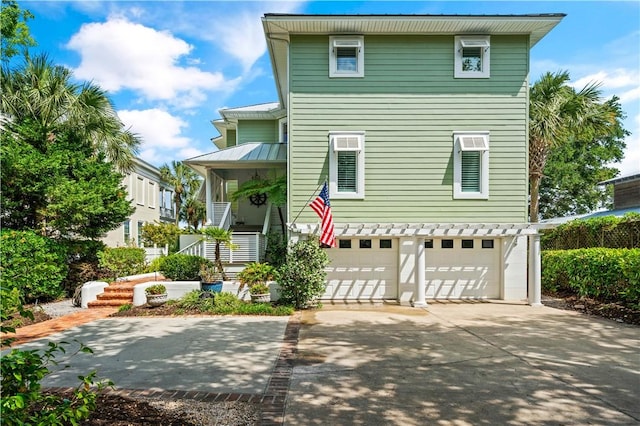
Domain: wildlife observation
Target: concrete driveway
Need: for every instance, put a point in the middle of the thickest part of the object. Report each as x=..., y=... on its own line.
x=463, y=364
x=449, y=364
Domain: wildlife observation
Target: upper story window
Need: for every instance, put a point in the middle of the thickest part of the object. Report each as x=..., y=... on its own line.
x=472, y=56
x=346, y=164
x=151, y=195
x=140, y=191
x=471, y=165
x=346, y=56
x=283, y=130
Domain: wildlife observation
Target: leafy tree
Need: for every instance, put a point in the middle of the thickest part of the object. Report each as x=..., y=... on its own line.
x=573, y=170
x=59, y=189
x=161, y=234
x=185, y=182
x=14, y=31
x=42, y=93
x=559, y=114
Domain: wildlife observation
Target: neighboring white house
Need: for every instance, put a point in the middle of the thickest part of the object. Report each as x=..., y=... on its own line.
x=153, y=202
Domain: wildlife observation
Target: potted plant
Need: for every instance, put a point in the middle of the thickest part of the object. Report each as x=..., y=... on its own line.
x=210, y=278
x=156, y=295
x=255, y=276
x=218, y=236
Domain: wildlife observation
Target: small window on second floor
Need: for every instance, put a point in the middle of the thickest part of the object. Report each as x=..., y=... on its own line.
x=472, y=57
x=346, y=56
x=346, y=164
x=471, y=165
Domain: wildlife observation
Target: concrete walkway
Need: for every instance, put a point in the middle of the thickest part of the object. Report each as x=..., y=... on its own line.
x=463, y=364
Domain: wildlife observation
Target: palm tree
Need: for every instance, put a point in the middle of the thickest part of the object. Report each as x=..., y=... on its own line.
x=195, y=212
x=184, y=180
x=43, y=93
x=218, y=236
x=557, y=114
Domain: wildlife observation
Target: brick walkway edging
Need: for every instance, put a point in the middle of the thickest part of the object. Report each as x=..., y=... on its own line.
x=272, y=403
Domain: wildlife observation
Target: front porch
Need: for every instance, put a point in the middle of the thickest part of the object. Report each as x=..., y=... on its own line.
x=250, y=219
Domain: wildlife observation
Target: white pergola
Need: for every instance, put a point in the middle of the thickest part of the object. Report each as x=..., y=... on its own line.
x=421, y=231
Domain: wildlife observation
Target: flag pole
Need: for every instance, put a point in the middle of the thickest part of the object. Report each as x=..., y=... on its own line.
x=307, y=203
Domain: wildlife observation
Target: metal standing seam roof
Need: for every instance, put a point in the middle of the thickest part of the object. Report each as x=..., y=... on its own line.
x=237, y=156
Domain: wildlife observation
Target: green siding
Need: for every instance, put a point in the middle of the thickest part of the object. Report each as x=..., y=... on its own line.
x=409, y=105
x=231, y=137
x=257, y=131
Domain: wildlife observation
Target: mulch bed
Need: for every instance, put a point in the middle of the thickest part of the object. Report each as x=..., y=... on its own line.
x=613, y=311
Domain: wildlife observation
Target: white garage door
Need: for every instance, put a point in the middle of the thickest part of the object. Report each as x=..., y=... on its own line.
x=363, y=269
x=462, y=268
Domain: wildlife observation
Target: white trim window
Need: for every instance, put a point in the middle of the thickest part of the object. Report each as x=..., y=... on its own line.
x=471, y=165
x=472, y=56
x=151, y=201
x=346, y=56
x=140, y=191
x=346, y=164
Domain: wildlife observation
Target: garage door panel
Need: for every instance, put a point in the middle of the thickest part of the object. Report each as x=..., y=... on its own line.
x=362, y=274
x=457, y=273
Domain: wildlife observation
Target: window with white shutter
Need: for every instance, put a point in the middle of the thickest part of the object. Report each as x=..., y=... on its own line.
x=346, y=56
x=346, y=165
x=471, y=165
x=472, y=59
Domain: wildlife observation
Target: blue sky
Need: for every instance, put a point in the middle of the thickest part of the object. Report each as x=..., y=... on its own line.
x=169, y=66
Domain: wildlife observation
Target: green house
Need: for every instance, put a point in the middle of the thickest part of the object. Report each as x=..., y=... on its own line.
x=418, y=125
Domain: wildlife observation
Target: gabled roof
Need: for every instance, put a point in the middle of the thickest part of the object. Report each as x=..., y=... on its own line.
x=278, y=28
x=248, y=155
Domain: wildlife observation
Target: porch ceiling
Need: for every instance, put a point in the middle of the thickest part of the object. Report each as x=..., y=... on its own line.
x=245, y=156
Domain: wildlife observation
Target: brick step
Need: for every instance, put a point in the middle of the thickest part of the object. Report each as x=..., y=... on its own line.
x=116, y=296
x=108, y=303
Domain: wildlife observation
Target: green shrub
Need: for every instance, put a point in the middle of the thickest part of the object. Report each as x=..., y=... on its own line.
x=22, y=400
x=182, y=267
x=33, y=264
x=302, y=276
x=600, y=273
x=122, y=261
x=226, y=303
x=82, y=259
x=155, y=265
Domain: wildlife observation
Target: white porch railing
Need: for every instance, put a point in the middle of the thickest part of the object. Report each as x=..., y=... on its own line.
x=221, y=215
x=250, y=248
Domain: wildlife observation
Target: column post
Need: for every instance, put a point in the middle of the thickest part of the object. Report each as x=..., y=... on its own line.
x=419, y=300
x=208, y=198
x=535, y=280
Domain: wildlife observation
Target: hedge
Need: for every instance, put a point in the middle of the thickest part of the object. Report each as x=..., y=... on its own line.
x=32, y=264
x=605, y=274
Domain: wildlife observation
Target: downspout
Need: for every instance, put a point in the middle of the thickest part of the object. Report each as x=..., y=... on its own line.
x=273, y=39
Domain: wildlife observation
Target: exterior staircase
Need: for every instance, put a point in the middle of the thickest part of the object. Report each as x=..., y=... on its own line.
x=119, y=293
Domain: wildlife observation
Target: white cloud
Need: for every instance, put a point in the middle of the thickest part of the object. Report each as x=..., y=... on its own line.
x=157, y=127
x=236, y=27
x=119, y=54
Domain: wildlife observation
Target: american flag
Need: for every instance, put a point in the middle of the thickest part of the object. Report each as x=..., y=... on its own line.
x=322, y=207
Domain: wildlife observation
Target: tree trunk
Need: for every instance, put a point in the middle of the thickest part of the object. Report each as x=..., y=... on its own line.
x=534, y=183
x=282, y=227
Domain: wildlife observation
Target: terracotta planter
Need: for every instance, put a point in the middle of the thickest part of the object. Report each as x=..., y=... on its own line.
x=156, y=299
